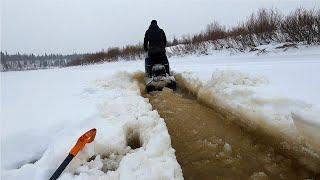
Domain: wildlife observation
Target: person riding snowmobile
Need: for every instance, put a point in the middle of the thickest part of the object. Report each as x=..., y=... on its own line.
x=155, y=42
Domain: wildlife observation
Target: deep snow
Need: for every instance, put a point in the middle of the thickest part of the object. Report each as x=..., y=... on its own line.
x=119, y=114
x=45, y=111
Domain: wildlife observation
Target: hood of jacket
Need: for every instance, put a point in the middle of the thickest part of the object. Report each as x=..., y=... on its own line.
x=153, y=26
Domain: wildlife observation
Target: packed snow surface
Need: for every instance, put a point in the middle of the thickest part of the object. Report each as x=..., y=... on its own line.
x=45, y=111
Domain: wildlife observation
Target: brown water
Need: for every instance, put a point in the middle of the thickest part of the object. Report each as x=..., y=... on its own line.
x=208, y=146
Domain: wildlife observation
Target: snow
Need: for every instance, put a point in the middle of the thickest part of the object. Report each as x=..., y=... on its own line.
x=267, y=91
x=114, y=107
x=295, y=69
x=45, y=111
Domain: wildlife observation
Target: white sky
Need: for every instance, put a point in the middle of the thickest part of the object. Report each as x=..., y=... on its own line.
x=68, y=26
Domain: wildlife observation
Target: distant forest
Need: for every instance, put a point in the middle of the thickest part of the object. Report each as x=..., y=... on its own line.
x=19, y=62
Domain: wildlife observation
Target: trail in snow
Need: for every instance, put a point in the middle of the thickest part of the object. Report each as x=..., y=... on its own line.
x=233, y=94
x=210, y=145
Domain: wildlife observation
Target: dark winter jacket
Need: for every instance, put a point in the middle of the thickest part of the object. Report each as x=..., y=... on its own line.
x=155, y=40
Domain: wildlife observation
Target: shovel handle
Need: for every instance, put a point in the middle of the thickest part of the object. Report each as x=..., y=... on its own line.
x=62, y=166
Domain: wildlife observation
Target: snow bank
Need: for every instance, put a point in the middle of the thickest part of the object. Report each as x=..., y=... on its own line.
x=239, y=96
x=232, y=47
x=132, y=141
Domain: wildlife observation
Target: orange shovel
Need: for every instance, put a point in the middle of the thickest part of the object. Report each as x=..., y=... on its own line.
x=86, y=138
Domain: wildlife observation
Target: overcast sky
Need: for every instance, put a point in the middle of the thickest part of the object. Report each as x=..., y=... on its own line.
x=68, y=26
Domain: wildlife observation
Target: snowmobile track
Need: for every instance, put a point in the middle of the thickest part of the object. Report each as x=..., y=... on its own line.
x=209, y=145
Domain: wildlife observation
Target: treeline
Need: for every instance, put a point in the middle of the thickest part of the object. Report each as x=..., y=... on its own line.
x=129, y=52
x=262, y=27
x=18, y=62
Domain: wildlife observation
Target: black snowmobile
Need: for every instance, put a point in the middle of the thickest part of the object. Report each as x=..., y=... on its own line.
x=158, y=75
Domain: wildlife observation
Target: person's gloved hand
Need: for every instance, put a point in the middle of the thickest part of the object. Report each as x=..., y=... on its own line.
x=145, y=49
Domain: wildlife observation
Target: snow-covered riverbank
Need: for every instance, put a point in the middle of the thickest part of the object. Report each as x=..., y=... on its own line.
x=43, y=112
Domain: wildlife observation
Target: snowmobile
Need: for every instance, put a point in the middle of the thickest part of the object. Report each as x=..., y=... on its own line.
x=158, y=76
